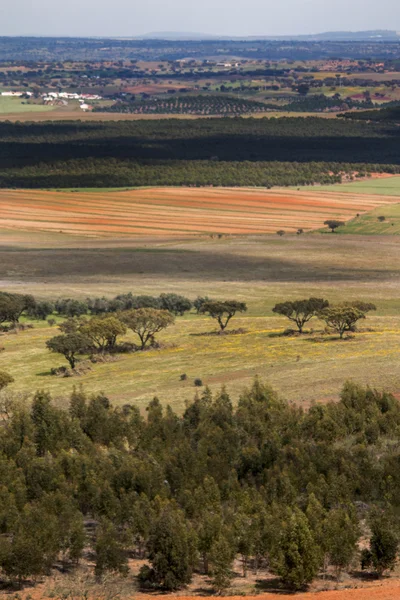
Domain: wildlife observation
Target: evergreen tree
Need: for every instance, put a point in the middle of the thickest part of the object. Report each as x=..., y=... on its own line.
x=110, y=551
x=296, y=558
x=171, y=550
x=221, y=561
x=384, y=543
x=341, y=535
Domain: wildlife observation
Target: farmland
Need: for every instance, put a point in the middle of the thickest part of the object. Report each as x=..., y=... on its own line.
x=146, y=449
x=180, y=211
x=384, y=186
x=260, y=270
x=16, y=106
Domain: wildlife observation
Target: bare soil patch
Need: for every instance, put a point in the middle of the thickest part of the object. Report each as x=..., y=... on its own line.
x=180, y=211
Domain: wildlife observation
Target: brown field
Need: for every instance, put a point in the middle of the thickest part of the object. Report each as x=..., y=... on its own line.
x=179, y=211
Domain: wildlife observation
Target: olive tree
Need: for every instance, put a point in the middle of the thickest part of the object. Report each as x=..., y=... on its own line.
x=222, y=311
x=301, y=311
x=69, y=345
x=146, y=322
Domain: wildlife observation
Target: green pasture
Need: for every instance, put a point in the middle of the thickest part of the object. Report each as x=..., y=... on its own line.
x=302, y=369
x=386, y=186
x=16, y=105
x=372, y=223
x=259, y=270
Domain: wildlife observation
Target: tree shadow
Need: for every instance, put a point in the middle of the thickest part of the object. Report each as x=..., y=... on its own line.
x=274, y=586
x=219, y=333
x=368, y=576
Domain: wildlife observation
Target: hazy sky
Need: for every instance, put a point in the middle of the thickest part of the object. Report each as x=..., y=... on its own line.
x=226, y=17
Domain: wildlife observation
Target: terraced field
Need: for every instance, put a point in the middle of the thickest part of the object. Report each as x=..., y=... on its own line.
x=181, y=211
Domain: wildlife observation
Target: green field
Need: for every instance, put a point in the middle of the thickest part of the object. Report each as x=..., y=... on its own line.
x=16, y=105
x=386, y=186
x=261, y=270
x=370, y=224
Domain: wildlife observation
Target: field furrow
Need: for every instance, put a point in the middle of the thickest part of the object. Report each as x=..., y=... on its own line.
x=181, y=211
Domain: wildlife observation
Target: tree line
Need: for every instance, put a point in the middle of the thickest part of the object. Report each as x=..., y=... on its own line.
x=230, y=152
x=146, y=316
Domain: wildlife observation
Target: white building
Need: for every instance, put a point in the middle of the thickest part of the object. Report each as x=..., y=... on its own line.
x=13, y=94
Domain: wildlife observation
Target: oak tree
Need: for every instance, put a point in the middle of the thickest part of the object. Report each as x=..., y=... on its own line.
x=223, y=311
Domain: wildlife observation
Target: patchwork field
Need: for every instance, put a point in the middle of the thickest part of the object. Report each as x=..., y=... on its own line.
x=180, y=211
x=103, y=242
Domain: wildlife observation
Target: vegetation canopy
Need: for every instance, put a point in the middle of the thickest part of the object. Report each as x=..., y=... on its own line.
x=301, y=311
x=222, y=312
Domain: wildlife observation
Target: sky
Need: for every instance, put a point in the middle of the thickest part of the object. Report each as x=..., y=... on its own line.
x=126, y=18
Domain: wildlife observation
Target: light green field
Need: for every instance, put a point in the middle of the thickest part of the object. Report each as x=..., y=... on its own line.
x=369, y=224
x=385, y=186
x=16, y=105
x=301, y=369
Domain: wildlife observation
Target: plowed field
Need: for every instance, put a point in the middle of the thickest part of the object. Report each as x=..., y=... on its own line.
x=180, y=211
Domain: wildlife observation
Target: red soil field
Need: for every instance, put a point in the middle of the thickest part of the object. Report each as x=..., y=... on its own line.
x=381, y=591
x=385, y=592
x=179, y=211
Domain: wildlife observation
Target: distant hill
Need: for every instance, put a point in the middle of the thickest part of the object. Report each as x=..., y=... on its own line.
x=376, y=35
x=373, y=35
x=177, y=35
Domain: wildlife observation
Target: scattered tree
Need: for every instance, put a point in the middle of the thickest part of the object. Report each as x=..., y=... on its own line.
x=301, y=311
x=69, y=345
x=146, y=322
x=341, y=318
x=103, y=332
x=333, y=224
x=223, y=311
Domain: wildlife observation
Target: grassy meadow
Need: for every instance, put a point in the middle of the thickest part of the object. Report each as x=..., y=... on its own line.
x=384, y=186
x=303, y=368
x=10, y=105
x=260, y=270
